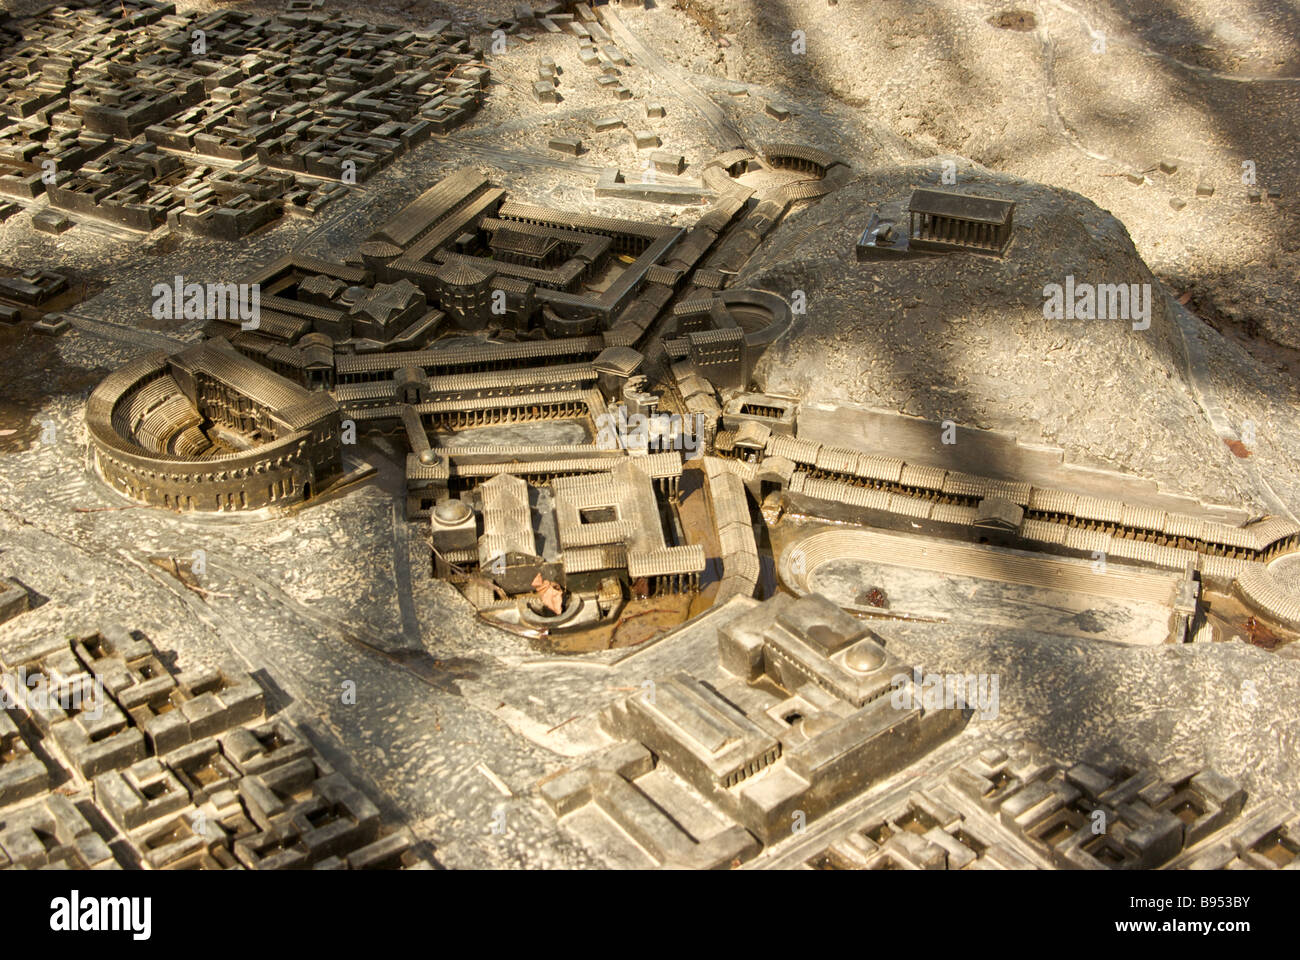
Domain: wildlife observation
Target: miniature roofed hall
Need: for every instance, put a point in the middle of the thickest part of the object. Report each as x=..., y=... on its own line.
x=941, y=221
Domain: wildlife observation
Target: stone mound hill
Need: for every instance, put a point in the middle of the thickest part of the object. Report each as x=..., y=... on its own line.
x=963, y=336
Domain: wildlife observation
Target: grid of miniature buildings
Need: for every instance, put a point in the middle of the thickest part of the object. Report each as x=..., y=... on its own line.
x=110, y=759
x=999, y=811
x=216, y=124
x=796, y=739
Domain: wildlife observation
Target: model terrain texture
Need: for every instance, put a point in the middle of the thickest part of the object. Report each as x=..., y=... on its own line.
x=711, y=434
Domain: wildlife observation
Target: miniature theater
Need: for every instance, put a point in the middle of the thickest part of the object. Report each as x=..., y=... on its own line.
x=207, y=429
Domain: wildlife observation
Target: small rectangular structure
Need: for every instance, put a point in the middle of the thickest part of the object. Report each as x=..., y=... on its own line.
x=613, y=184
x=954, y=221
x=50, y=221
x=666, y=162
x=645, y=139
x=570, y=145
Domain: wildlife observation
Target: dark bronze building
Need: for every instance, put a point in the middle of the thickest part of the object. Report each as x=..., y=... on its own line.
x=209, y=429
x=953, y=221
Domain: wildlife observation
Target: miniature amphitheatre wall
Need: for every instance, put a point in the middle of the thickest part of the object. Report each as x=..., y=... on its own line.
x=279, y=472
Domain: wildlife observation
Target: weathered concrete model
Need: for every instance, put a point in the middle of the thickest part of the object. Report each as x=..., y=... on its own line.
x=651, y=449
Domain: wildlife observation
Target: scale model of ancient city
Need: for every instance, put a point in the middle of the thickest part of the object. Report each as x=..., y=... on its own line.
x=682, y=434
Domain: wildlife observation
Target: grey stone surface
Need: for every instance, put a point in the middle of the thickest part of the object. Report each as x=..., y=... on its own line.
x=476, y=741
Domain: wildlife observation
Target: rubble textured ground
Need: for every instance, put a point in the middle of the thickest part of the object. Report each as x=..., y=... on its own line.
x=1114, y=529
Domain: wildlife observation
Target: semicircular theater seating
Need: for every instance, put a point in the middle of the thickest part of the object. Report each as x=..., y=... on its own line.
x=147, y=425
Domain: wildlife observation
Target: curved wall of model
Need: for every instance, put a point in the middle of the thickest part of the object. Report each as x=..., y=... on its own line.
x=828, y=173
x=207, y=429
